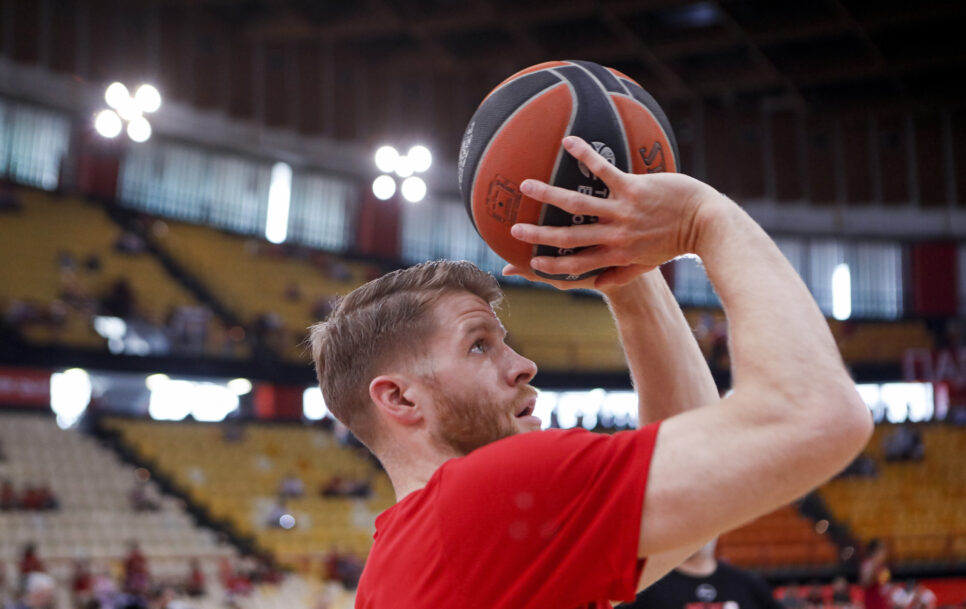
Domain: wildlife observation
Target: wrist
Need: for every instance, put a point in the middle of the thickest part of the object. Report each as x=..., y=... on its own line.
x=711, y=221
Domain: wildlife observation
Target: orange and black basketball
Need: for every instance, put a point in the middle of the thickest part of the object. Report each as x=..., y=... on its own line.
x=516, y=134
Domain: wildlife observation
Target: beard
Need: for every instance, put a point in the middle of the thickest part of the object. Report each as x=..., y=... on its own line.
x=466, y=423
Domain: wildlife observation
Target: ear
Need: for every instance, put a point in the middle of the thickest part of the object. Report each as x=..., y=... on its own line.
x=389, y=393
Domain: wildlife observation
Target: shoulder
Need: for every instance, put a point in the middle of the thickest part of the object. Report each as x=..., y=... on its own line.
x=553, y=449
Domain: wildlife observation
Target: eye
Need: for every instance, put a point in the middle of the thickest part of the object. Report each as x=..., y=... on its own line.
x=478, y=347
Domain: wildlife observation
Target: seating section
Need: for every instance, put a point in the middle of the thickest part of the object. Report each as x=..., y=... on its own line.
x=240, y=480
x=95, y=519
x=783, y=538
x=916, y=507
x=51, y=238
x=254, y=278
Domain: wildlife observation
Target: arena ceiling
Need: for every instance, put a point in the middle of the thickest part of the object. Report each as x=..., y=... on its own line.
x=808, y=53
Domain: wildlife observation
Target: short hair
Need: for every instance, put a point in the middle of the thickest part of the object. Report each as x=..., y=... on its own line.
x=368, y=328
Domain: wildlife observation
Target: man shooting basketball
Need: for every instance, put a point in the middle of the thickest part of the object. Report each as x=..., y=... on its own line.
x=415, y=364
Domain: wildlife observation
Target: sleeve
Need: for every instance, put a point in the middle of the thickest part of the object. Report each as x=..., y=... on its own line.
x=548, y=518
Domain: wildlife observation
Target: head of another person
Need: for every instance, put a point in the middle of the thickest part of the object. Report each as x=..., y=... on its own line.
x=418, y=356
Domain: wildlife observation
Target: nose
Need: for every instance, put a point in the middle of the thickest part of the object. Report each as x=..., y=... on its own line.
x=522, y=370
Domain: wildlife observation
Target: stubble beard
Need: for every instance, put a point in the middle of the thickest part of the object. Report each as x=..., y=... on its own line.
x=466, y=423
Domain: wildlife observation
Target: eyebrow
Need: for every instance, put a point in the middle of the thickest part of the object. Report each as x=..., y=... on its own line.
x=489, y=325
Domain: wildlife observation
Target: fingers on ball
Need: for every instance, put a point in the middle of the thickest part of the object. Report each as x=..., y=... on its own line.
x=560, y=236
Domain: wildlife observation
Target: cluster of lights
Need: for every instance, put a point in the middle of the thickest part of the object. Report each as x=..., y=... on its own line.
x=389, y=161
x=127, y=108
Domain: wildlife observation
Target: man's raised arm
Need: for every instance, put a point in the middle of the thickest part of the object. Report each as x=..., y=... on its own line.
x=794, y=418
x=669, y=371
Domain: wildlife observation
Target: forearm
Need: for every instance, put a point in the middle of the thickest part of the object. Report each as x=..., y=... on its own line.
x=667, y=367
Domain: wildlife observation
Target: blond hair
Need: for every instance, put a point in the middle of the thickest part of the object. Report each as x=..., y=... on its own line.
x=370, y=327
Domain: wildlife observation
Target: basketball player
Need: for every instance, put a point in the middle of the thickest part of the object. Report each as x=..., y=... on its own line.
x=415, y=364
x=702, y=582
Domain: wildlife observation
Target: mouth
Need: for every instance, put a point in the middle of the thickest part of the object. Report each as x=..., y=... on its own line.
x=528, y=408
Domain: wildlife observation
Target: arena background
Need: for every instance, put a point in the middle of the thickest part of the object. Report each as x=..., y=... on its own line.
x=155, y=294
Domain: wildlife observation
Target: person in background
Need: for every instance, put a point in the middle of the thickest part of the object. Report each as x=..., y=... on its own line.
x=702, y=582
x=30, y=563
x=841, y=593
x=291, y=487
x=874, y=576
x=82, y=584
x=195, y=585
x=137, y=578
x=39, y=592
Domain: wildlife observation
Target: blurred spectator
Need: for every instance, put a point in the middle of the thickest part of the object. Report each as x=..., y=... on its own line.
x=195, y=584
x=119, y=300
x=143, y=497
x=792, y=597
x=703, y=581
x=8, y=496
x=874, y=576
x=187, y=329
x=322, y=307
x=293, y=293
x=904, y=444
x=337, y=486
x=841, y=593
x=39, y=591
x=29, y=563
x=129, y=243
x=82, y=585
x=814, y=597
x=92, y=263
x=921, y=597
x=137, y=578
x=291, y=486
x=276, y=512
x=39, y=498
x=66, y=263
x=864, y=466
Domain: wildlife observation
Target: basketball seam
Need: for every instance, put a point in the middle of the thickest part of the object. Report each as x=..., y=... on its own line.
x=497, y=130
x=561, y=151
x=617, y=115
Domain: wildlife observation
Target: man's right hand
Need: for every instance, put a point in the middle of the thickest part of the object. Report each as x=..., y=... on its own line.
x=646, y=221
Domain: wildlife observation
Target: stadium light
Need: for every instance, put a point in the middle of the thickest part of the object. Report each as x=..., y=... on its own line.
x=147, y=98
x=108, y=123
x=70, y=394
x=139, y=129
x=116, y=95
x=414, y=189
x=386, y=158
x=421, y=158
x=841, y=292
x=389, y=161
x=127, y=108
x=279, y=200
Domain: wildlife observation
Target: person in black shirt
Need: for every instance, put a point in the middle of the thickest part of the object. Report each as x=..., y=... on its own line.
x=701, y=582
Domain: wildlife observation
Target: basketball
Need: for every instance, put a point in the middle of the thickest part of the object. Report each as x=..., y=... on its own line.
x=516, y=134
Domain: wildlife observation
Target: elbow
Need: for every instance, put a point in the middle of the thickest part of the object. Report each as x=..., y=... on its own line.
x=850, y=424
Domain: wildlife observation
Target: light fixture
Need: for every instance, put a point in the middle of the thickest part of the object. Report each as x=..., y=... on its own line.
x=116, y=94
x=386, y=158
x=414, y=189
x=240, y=386
x=129, y=109
x=148, y=99
x=139, y=129
x=384, y=187
x=421, y=158
x=389, y=161
x=108, y=123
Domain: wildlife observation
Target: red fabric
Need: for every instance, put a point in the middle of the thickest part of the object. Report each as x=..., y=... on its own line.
x=543, y=519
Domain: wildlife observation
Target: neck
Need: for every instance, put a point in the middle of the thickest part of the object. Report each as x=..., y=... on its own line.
x=410, y=466
x=698, y=566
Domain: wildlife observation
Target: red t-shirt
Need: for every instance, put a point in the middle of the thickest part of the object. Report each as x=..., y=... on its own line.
x=547, y=519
